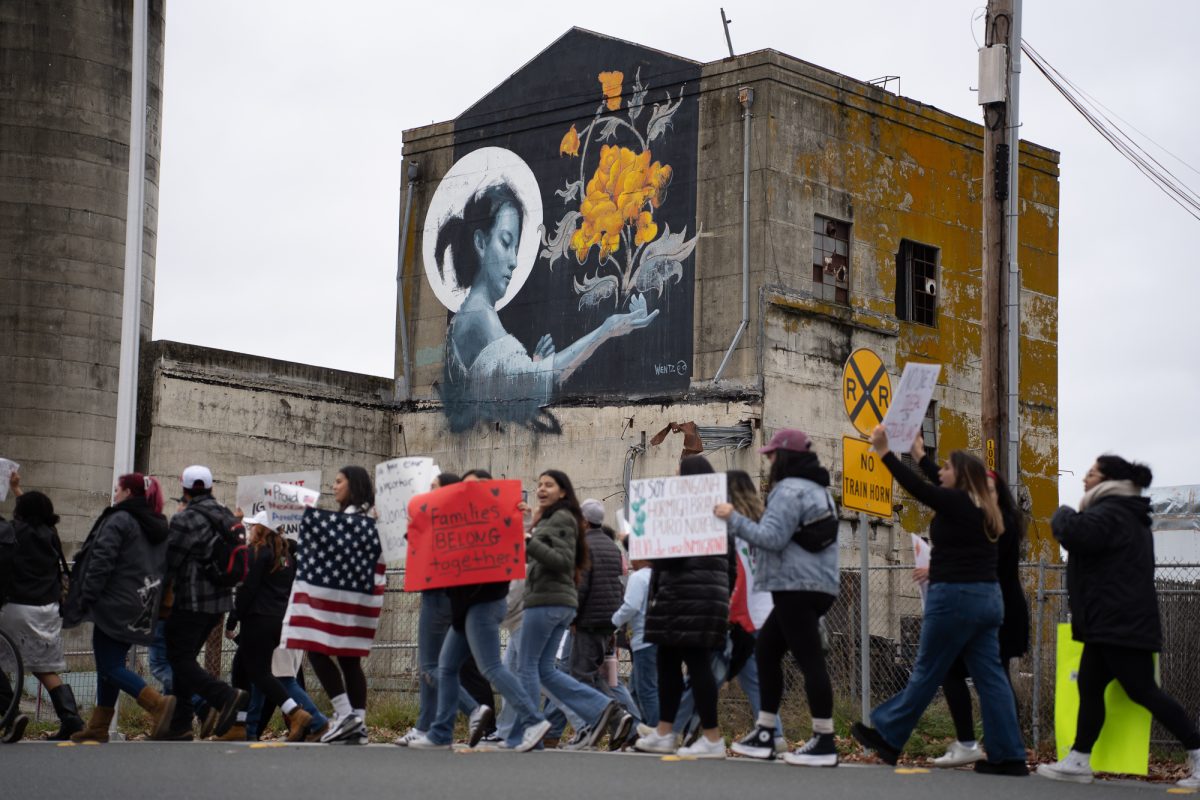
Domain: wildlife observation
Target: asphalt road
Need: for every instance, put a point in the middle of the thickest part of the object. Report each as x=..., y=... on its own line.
x=174, y=771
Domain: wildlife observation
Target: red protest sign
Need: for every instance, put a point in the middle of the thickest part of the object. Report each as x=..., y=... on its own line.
x=470, y=532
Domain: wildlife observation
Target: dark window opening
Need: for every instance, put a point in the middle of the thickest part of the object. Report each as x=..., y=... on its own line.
x=917, y=283
x=831, y=259
x=928, y=433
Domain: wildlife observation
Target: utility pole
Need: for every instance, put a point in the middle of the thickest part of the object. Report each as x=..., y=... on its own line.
x=997, y=96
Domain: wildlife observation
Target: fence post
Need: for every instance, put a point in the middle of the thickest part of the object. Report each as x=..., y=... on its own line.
x=1039, y=637
x=864, y=616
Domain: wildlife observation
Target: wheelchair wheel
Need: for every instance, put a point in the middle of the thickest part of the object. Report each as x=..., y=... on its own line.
x=12, y=677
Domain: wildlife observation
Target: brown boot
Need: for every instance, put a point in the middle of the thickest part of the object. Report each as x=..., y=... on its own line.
x=297, y=723
x=96, y=729
x=235, y=733
x=160, y=708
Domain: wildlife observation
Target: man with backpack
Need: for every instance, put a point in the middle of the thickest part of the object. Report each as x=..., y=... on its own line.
x=205, y=548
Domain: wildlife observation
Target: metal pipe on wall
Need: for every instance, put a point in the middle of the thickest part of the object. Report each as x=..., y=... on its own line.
x=403, y=387
x=746, y=98
x=1013, y=464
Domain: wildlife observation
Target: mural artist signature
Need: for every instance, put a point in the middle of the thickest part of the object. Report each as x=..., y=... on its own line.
x=678, y=368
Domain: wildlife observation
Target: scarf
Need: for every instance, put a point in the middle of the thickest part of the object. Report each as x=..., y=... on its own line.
x=1109, y=489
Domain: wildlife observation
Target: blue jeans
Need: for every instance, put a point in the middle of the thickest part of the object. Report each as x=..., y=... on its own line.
x=645, y=682
x=432, y=624
x=541, y=631
x=156, y=657
x=481, y=638
x=507, y=717
x=960, y=618
x=296, y=692
x=112, y=676
x=560, y=715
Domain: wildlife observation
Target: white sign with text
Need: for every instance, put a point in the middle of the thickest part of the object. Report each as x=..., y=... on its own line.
x=906, y=413
x=285, y=505
x=396, y=482
x=253, y=491
x=7, y=468
x=673, y=517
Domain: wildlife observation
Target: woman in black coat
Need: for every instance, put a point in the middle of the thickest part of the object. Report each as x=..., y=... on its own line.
x=1114, y=610
x=687, y=616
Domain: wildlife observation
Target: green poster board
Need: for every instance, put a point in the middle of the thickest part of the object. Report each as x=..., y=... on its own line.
x=1124, y=743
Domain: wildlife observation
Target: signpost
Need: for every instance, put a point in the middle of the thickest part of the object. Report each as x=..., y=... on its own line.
x=866, y=482
x=866, y=390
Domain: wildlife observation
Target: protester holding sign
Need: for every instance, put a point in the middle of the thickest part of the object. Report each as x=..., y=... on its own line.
x=803, y=584
x=1114, y=610
x=556, y=552
x=963, y=611
x=687, y=617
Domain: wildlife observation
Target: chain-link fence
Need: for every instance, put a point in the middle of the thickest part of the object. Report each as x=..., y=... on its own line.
x=871, y=644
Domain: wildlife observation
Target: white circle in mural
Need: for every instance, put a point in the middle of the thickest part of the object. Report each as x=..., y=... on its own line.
x=471, y=173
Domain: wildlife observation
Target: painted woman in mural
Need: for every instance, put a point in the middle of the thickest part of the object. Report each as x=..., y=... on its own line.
x=489, y=375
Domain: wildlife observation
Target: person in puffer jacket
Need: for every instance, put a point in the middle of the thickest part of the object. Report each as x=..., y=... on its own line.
x=803, y=586
x=687, y=616
x=1114, y=611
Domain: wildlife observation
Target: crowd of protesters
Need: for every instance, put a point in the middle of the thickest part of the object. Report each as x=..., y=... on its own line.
x=690, y=623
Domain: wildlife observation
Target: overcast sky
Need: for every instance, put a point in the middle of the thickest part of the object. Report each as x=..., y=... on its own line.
x=279, y=201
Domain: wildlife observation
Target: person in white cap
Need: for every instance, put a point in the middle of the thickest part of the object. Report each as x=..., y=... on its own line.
x=199, y=603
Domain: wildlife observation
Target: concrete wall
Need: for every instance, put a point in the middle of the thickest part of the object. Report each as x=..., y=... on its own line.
x=64, y=149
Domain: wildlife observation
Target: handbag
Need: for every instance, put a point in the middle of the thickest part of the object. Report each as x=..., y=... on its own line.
x=818, y=534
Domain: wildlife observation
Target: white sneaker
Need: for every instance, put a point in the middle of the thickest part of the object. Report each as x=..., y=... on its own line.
x=413, y=733
x=533, y=736
x=343, y=728
x=818, y=751
x=1076, y=768
x=781, y=745
x=425, y=743
x=703, y=748
x=1192, y=781
x=959, y=754
x=645, y=730
x=652, y=742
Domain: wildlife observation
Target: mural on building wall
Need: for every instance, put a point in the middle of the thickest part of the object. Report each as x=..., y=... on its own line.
x=561, y=239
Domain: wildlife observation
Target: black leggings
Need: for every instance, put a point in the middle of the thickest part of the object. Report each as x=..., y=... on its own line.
x=256, y=644
x=794, y=625
x=331, y=677
x=958, y=698
x=700, y=676
x=1134, y=669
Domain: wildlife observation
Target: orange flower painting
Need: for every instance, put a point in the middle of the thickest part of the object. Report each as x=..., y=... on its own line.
x=617, y=203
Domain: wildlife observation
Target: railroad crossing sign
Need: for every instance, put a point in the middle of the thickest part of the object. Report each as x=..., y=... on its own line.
x=866, y=389
x=866, y=482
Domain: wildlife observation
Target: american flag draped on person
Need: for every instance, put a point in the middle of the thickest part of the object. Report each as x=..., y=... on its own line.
x=338, y=592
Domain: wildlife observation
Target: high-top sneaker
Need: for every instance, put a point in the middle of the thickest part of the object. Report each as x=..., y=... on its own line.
x=1076, y=768
x=759, y=743
x=819, y=751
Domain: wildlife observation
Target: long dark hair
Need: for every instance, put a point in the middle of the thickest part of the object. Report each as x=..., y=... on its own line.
x=35, y=508
x=797, y=464
x=570, y=502
x=457, y=233
x=695, y=465
x=362, y=491
x=1115, y=468
x=970, y=476
x=1009, y=512
x=447, y=479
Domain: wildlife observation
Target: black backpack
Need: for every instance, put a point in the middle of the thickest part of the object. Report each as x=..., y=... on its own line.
x=228, y=561
x=818, y=534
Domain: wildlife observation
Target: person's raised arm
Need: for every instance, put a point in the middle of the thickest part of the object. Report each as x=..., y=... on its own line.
x=935, y=497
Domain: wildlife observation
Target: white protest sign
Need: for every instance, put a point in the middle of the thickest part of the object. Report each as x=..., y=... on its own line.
x=7, y=468
x=673, y=517
x=906, y=412
x=396, y=482
x=921, y=552
x=285, y=505
x=253, y=490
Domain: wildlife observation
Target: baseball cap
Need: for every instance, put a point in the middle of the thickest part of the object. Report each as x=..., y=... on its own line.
x=593, y=511
x=261, y=518
x=788, y=439
x=197, y=474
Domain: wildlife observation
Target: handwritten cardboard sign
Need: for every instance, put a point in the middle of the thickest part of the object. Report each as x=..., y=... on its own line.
x=465, y=534
x=7, y=468
x=285, y=506
x=673, y=517
x=396, y=483
x=253, y=491
x=909, y=402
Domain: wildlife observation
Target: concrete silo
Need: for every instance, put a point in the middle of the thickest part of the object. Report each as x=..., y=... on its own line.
x=65, y=90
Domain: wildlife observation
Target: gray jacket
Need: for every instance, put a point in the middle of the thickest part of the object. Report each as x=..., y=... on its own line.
x=781, y=565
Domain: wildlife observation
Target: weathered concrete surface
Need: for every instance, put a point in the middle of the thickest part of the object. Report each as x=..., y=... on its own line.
x=64, y=149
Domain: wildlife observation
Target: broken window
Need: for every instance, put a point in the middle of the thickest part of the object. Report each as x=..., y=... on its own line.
x=917, y=283
x=831, y=259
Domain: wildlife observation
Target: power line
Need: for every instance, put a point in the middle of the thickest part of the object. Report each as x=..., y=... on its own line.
x=1168, y=183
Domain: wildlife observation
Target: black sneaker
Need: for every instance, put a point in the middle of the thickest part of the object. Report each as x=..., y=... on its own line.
x=871, y=739
x=580, y=739
x=819, y=751
x=483, y=719
x=616, y=739
x=1018, y=769
x=597, y=728
x=16, y=730
x=759, y=743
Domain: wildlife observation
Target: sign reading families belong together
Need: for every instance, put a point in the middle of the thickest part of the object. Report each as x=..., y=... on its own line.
x=467, y=533
x=673, y=517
